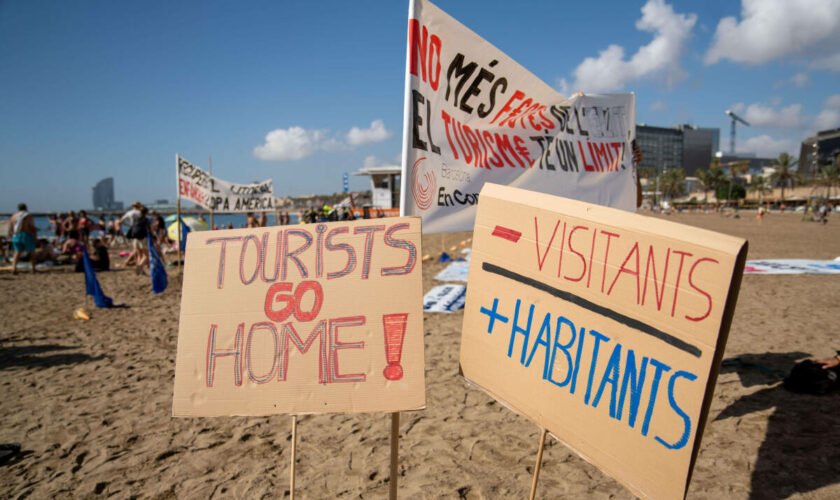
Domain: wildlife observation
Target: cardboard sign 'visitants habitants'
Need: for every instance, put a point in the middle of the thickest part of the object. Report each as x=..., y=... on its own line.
x=605, y=327
x=302, y=319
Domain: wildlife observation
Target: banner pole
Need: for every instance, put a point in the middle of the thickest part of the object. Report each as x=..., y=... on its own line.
x=292, y=467
x=537, y=466
x=407, y=103
x=179, y=232
x=178, y=187
x=395, y=451
x=210, y=168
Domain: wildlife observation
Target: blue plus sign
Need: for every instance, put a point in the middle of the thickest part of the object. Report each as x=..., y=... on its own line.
x=493, y=315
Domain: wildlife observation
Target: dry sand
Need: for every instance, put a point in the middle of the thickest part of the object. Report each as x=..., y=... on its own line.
x=90, y=403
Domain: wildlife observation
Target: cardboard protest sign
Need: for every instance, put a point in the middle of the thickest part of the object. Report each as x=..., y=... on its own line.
x=314, y=318
x=212, y=193
x=474, y=115
x=607, y=328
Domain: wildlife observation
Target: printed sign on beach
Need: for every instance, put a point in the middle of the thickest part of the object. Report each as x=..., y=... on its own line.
x=316, y=318
x=607, y=328
x=792, y=266
x=212, y=193
x=474, y=115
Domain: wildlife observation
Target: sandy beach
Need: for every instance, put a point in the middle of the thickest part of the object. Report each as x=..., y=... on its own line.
x=90, y=402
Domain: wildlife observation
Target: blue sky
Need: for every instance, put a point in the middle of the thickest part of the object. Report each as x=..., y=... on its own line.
x=91, y=89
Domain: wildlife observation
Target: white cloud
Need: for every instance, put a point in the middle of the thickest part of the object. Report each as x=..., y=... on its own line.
x=765, y=146
x=660, y=58
x=659, y=106
x=375, y=133
x=801, y=80
x=772, y=29
x=827, y=119
x=372, y=161
x=292, y=143
x=738, y=107
x=832, y=101
x=759, y=115
x=295, y=143
x=831, y=63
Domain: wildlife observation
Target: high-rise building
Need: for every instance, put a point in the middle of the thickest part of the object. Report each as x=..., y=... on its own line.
x=819, y=151
x=662, y=147
x=699, y=147
x=685, y=146
x=103, y=195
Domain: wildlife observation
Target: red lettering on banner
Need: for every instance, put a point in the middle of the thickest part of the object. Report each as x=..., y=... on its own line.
x=429, y=50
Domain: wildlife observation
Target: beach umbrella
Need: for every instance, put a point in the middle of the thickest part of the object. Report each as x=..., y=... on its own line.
x=191, y=222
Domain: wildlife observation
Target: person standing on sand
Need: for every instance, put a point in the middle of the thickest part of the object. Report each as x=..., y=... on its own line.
x=252, y=222
x=24, y=236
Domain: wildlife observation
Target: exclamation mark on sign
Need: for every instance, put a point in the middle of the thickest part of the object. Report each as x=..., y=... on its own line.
x=394, y=334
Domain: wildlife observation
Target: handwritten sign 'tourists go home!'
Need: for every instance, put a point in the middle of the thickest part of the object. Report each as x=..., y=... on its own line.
x=607, y=328
x=304, y=319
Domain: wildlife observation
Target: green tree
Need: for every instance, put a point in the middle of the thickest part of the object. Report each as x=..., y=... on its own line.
x=648, y=173
x=736, y=191
x=704, y=177
x=672, y=183
x=784, y=175
x=735, y=170
x=758, y=185
x=829, y=177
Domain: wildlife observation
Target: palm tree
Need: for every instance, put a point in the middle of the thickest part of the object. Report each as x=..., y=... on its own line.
x=784, y=174
x=829, y=177
x=704, y=178
x=758, y=184
x=735, y=170
x=673, y=183
x=647, y=173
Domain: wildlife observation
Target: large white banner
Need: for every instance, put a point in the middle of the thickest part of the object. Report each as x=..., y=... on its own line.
x=194, y=184
x=474, y=115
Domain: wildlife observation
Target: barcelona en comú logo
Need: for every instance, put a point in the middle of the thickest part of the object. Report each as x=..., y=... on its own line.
x=424, y=185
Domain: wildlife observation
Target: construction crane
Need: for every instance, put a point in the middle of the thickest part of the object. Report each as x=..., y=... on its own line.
x=735, y=118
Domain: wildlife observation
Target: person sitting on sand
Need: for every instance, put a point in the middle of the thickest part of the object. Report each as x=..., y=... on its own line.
x=24, y=235
x=45, y=251
x=829, y=363
x=100, y=259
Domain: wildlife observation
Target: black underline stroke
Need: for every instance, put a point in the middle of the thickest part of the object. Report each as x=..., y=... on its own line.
x=598, y=309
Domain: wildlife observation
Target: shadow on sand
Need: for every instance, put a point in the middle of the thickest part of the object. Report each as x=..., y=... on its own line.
x=31, y=356
x=801, y=450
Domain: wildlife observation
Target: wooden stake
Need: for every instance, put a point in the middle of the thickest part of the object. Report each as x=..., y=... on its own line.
x=210, y=167
x=537, y=466
x=395, y=451
x=292, y=467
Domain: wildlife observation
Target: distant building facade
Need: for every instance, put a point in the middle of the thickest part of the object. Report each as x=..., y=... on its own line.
x=684, y=146
x=103, y=195
x=819, y=151
x=661, y=147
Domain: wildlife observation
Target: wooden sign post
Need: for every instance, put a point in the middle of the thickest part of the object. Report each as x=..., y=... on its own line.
x=319, y=318
x=604, y=327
